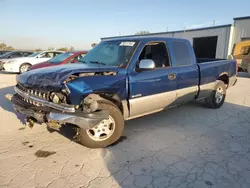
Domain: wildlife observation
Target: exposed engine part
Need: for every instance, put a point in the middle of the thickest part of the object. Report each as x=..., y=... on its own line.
x=66, y=89
x=53, y=125
x=86, y=74
x=90, y=104
x=107, y=73
x=72, y=77
x=30, y=122
x=76, y=137
x=58, y=98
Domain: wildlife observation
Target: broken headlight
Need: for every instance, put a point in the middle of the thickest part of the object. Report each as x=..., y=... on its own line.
x=66, y=89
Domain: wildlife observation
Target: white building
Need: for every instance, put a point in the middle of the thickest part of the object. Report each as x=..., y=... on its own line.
x=211, y=42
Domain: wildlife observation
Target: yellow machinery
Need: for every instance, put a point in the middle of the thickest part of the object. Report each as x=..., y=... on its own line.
x=241, y=52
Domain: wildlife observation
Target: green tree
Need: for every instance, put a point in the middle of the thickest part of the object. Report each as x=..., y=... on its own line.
x=38, y=49
x=144, y=32
x=9, y=48
x=93, y=45
x=63, y=49
x=3, y=46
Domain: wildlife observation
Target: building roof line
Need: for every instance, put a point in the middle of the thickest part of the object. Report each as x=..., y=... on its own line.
x=242, y=18
x=171, y=32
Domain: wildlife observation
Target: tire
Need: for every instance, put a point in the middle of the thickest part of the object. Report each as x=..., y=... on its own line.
x=90, y=138
x=248, y=69
x=24, y=67
x=217, y=97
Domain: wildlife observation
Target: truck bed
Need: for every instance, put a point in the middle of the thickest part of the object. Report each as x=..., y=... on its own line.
x=205, y=60
x=210, y=71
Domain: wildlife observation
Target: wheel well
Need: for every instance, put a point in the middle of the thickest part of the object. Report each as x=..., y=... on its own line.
x=26, y=63
x=115, y=99
x=224, y=78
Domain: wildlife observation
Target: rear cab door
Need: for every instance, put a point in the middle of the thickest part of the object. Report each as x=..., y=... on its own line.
x=185, y=70
x=151, y=90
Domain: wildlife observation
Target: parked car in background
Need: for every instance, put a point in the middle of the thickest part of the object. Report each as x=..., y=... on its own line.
x=12, y=54
x=21, y=65
x=2, y=52
x=65, y=58
x=241, y=52
x=118, y=80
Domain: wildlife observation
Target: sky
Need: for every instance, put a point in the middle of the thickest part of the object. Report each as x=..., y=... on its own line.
x=79, y=23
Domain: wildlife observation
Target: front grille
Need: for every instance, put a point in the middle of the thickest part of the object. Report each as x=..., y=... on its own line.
x=18, y=100
x=36, y=93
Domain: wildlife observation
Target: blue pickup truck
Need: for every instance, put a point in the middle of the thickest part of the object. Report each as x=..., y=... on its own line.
x=118, y=80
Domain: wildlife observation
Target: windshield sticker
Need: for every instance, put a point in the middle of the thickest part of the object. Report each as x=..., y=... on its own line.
x=127, y=43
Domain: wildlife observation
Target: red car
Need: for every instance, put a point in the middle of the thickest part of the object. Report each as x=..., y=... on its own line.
x=67, y=57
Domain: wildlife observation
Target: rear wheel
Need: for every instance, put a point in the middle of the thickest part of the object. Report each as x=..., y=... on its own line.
x=107, y=131
x=24, y=67
x=217, y=97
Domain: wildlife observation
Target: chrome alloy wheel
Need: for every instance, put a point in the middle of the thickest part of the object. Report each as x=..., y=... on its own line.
x=24, y=68
x=103, y=130
x=219, y=95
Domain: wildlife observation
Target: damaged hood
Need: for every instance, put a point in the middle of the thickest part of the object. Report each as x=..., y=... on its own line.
x=53, y=77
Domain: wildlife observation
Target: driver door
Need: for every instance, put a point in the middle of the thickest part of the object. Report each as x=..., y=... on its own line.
x=152, y=90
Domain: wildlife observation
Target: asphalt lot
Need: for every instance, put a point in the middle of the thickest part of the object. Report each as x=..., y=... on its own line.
x=187, y=146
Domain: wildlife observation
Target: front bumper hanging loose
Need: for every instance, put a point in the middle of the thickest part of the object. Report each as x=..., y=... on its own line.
x=51, y=112
x=61, y=107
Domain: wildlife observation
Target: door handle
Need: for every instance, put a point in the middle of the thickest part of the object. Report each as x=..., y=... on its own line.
x=172, y=76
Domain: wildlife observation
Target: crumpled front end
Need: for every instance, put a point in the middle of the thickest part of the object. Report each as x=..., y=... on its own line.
x=68, y=99
x=38, y=108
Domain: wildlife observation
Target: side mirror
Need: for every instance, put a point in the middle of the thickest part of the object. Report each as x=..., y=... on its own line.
x=146, y=64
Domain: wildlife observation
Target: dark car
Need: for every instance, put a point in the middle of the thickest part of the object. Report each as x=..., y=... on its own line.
x=13, y=54
x=65, y=58
x=2, y=52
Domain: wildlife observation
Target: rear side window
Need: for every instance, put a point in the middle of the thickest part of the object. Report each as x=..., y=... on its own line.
x=16, y=54
x=25, y=54
x=181, y=54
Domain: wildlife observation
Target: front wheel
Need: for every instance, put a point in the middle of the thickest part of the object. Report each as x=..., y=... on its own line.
x=217, y=97
x=107, y=131
x=248, y=69
x=24, y=67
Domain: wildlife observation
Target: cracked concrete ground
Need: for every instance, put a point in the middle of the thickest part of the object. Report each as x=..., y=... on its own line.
x=187, y=146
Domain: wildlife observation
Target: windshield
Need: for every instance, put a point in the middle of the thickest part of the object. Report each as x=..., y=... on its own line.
x=59, y=58
x=112, y=53
x=34, y=54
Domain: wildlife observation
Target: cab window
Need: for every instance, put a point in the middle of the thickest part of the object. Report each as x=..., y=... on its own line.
x=156, y=51
x=181, y=54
